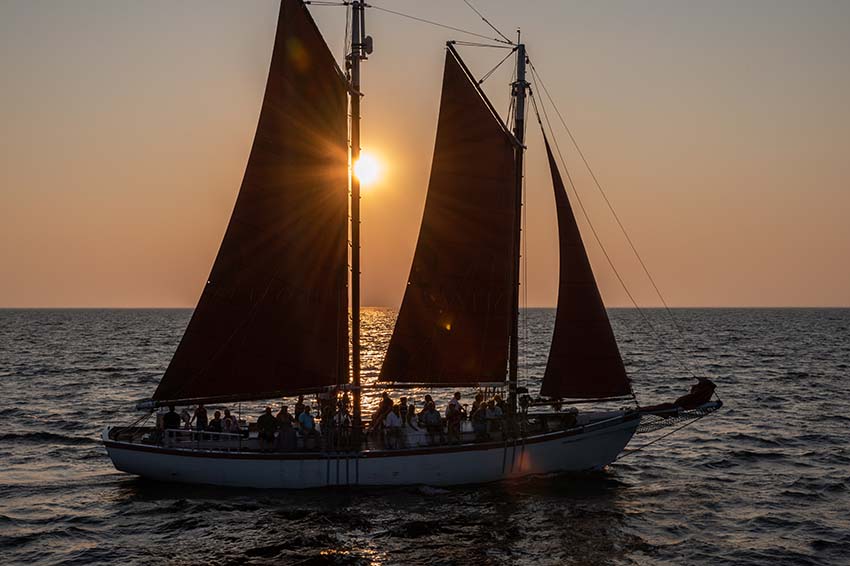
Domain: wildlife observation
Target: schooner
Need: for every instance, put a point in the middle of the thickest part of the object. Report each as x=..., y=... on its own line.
x=273, y=317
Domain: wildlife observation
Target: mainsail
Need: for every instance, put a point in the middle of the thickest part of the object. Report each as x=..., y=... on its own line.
x=272, y=318
x=584, y=361
x=454, y=323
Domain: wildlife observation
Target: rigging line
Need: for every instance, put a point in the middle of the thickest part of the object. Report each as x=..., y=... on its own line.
x=607, y=202
x=438, y=24
x=602, y=247
x=486, y=21
x=493, y=70
x=662, y=437
x=525, y=268
x=476, y=44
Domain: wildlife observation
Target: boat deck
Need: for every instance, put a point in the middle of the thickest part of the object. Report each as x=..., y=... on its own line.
x=336, y=440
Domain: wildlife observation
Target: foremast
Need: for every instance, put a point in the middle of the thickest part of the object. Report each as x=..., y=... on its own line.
x=519, y=90
x=360, y=48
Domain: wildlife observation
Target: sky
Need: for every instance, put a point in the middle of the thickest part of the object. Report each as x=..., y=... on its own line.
x=718, y=130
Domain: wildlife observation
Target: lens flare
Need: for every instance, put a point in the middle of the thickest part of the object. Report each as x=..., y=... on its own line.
x=367, y=169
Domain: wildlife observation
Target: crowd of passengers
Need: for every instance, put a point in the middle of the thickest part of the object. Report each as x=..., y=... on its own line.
x=392, y=424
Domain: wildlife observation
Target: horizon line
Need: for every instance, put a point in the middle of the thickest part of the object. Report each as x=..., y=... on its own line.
x=552, y=307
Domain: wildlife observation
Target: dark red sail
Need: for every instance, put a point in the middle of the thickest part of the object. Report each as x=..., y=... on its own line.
x=272, y=318
x=584, y=361
x=454, y=323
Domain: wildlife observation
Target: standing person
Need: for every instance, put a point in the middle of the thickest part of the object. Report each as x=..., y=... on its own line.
x=286, y=436
x=433, y=423
x=266, y=427
x=284, y=417
x=200, y=418
x=402, y=410
x=171, y=420
x=454, y=402
x=410, y=424
x=299, y=406
x=479, y=400
x=479, y=422
x=453, y=418
x=342, y=424
x=307, y=424
x=393, y=424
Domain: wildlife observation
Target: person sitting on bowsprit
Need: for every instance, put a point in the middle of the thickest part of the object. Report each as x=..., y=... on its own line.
x=700, y=394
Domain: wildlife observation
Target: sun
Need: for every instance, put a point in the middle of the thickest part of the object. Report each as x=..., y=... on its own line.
x=367, y=169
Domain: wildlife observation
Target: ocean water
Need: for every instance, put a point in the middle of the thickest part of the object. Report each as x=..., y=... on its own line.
x=764, y=481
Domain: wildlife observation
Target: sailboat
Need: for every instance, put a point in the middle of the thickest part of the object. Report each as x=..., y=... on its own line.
x=273, y=318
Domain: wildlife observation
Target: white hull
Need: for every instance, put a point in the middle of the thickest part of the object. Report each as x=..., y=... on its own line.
x=563, y=451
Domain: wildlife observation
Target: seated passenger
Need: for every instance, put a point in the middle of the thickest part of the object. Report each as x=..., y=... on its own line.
x=186, y=417
x=266, y=427
x=494, y=416
x=299, y=406
x=215, y=424
x=380, y=414
x=230, y=424
x=171, y=420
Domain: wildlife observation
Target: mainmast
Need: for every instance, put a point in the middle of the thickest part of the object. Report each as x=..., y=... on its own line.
x=519, y=91
x=361, y=46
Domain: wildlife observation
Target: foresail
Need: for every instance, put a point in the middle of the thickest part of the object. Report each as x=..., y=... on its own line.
x=454, y=323
x=272, y=318
x=584, y=361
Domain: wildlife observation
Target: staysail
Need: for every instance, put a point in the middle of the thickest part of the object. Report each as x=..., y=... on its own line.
x=454, y=323
x=272, y=318
x=584, y=361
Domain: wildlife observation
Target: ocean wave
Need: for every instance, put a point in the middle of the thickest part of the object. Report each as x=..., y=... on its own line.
x=46, y=438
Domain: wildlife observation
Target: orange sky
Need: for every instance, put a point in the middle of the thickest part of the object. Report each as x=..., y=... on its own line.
x=720, y=131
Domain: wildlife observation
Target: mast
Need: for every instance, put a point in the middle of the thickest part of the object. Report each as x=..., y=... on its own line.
x=519, y=91
x=359, y=50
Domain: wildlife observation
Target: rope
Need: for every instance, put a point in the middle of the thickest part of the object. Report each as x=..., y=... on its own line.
x=662, y=437
x=493, y=70
x=437, y=24
x=486, y=21
x=476, y=44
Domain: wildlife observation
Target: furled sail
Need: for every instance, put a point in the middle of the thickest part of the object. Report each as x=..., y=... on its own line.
x=454, y=323
x=272, y=318
x=584, y=361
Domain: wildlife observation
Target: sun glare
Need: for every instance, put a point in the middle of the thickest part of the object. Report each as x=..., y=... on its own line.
x=367, y=169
